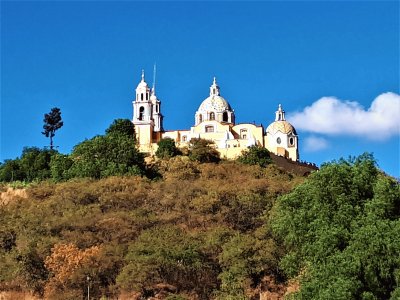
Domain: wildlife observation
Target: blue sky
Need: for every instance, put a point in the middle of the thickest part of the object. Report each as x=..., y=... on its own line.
x=334, y=66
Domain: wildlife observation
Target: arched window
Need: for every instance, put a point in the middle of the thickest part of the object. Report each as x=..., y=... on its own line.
x=141, y=112
x=225, y=116
x=278, y=140
x=141, y=96
x=212, y=116
x=200, y=118
x=291, y=141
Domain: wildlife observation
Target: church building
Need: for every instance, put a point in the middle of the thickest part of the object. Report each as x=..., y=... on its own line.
x=214, y=120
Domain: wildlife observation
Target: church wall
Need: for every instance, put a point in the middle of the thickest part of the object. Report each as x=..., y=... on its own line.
x=250, y=132
x=273, y=146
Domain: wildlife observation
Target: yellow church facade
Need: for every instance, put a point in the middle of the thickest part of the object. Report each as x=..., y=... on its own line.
x=214, y=121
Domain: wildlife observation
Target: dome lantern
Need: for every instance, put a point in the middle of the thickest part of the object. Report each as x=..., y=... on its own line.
x=215, y=107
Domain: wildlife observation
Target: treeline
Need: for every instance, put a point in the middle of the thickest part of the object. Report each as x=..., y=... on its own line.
x=112, y=154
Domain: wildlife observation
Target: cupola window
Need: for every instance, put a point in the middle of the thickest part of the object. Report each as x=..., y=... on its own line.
x=212, y=116
x=141, y=96
x=291, y=141
x=278, y=140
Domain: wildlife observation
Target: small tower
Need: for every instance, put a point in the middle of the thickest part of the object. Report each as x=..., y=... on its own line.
x=157, y=117
x=147, y=116
x=281, y=137
x=142, y=106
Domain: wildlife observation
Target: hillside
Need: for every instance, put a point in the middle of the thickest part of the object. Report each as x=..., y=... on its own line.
x=206, y=231
x=196, y=226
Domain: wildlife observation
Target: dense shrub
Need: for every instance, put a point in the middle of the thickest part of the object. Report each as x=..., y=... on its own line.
x=255, y=155
x=166, y=148
x=202, y=151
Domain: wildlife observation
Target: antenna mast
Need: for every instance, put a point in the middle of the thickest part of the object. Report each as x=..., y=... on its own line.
x=154, y=78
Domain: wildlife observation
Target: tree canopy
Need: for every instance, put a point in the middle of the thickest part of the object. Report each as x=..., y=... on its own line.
x=114, y=153
x=121, y=126
x=341, y=229
x=52, y=122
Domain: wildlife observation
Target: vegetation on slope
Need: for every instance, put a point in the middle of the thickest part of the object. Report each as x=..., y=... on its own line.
x=200, y=230
x=341, y=229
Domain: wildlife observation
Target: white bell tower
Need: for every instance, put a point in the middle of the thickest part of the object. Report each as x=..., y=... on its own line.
x=142, y=106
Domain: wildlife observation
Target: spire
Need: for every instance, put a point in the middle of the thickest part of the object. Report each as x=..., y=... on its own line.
x=214, y=88
x=153, y=90
x=142, y=75
x=280, y=114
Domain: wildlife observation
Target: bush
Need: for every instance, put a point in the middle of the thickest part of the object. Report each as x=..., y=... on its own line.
x=166, y=148
x=202, y=151
x=255, y=155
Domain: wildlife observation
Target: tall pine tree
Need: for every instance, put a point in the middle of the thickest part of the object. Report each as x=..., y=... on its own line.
x=52, y=122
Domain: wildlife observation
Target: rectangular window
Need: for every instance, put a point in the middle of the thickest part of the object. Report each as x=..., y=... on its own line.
x=209, y=128
x=184, y=138
x=243, y=134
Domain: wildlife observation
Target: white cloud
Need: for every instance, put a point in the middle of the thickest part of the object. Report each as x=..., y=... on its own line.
x=333, y=116
x=314, y=143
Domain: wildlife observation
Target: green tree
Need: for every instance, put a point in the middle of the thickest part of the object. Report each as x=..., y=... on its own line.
x=105, y=155
x=166, y=148
x=10, y=170
x=35, y=163
x=60, y=165
x=202, y=150
x=121, y=126
x=342, y=232
x=52, y=122
x=255, y=155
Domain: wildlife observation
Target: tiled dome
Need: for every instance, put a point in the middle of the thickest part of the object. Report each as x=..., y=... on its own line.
x=214, y=104
x=282, y=126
